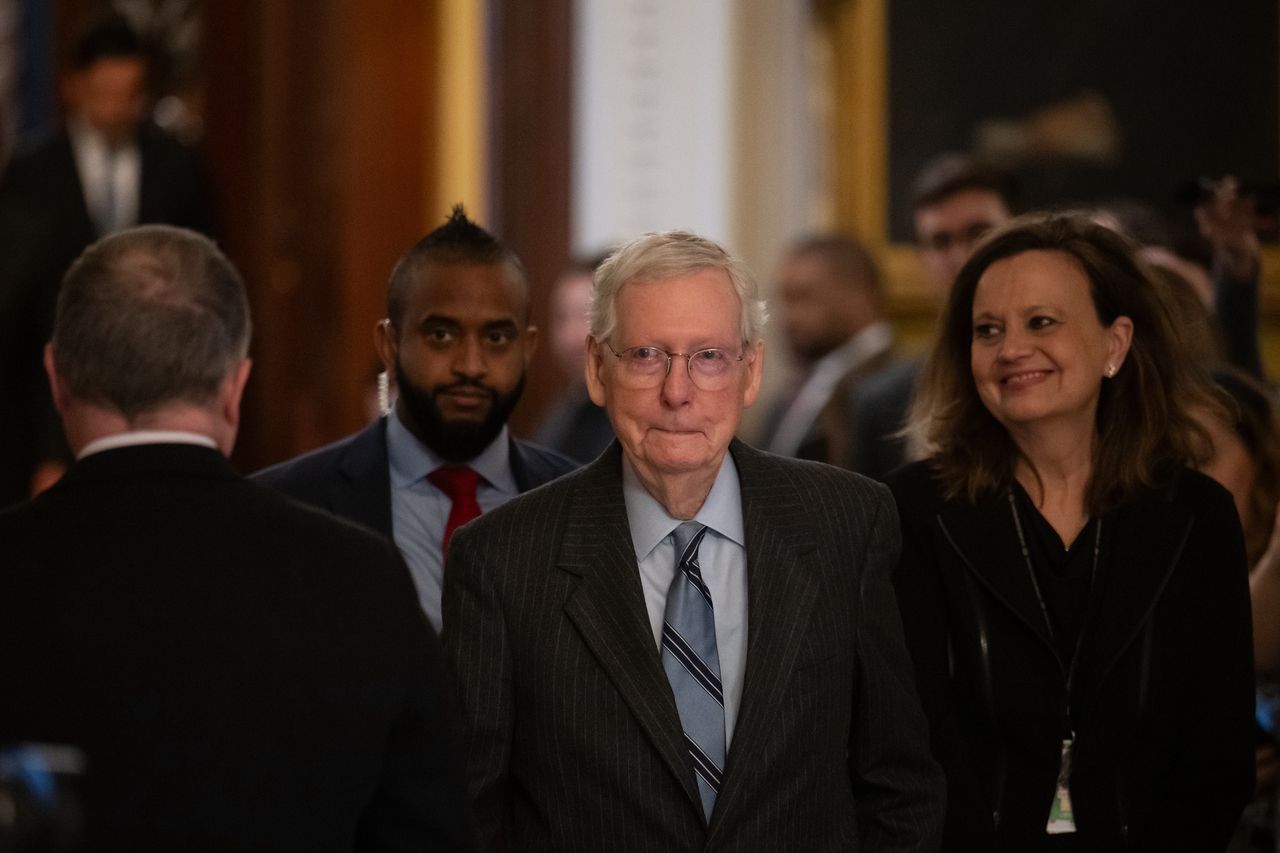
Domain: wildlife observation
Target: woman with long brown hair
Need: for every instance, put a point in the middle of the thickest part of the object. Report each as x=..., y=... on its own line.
x=1074, y=596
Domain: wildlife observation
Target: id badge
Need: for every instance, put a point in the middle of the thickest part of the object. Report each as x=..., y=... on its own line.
x=1061, y=816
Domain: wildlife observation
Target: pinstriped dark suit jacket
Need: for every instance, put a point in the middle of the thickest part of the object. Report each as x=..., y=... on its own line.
x=573, y=739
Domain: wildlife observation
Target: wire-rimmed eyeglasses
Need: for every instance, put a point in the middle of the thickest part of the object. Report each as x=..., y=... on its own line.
x=647, y=366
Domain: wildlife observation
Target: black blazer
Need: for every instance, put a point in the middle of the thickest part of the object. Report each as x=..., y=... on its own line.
x=573, y=738
x=351, y=477
x=1163, y=698
x=242, y=672
x=173, y=188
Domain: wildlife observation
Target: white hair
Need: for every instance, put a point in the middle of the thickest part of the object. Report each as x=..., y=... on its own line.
x=665, y=255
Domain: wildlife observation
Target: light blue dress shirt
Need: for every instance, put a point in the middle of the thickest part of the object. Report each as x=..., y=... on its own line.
x=419, y=510
x=723, y=558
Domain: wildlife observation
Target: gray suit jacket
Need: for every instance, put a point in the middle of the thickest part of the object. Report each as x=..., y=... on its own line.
x=573, y=738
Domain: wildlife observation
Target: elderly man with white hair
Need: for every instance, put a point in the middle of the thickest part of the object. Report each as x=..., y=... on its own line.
x=688, y=644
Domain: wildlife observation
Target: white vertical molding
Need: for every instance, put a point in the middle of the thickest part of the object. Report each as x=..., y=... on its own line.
x=701, y=114
x=652, y=119
x=781, y=183
x=780, y=180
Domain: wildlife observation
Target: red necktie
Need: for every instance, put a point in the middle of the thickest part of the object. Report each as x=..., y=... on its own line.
x=459, y=483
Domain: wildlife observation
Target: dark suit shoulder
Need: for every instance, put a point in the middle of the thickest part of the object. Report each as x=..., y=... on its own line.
x=915, y=481
x=309, y=475
x=313, y=522
x=540, y=464
x=32, y=171
x=33, y=154
x=215, y=509
x=551, y=495
x=1190, y=494
x=1197, y=489
x=158, y=140
x=757, y=467
x=543, y=513
x=894, y=384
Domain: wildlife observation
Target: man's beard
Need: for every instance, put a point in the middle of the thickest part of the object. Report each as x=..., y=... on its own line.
x=455, y=441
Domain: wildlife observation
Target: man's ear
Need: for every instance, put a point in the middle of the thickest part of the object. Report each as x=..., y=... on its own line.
x=755, y=373
x=57, y=388
x=387, y=345
x=594, y=371
x=529, y=342
x=233, y=391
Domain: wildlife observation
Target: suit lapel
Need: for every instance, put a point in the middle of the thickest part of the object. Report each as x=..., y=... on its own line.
x=607, y=606
x=984, y=537
x=781, y=593
x=519, y=466
x=523, y=465
x=363, y=494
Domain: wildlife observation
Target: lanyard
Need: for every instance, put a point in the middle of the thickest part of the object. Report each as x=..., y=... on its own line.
x=1070, y=673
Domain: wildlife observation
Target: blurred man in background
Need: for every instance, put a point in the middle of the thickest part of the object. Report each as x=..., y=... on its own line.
x=574, y=425
x=109, y=168
x=955, y=200
x=829, y=295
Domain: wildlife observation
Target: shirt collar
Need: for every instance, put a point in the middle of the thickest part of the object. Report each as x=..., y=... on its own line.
x=410, y=460
x=651, y=523
x=145, y=436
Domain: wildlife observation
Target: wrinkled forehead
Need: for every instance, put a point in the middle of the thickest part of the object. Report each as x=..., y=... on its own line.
x=700, y=307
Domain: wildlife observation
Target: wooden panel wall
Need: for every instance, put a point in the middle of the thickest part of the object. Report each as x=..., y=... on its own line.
x=317, y=123
x=530, y=160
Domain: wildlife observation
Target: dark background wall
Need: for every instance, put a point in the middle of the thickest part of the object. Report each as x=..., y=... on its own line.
x=1191, y=87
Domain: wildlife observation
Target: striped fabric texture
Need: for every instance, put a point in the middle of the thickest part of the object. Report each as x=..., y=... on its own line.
x=692, y=664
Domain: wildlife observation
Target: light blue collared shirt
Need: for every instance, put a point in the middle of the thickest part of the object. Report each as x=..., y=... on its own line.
x=722, y=556
x=419, y=510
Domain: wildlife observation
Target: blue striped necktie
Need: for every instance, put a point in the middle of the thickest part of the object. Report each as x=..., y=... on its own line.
x=692, y=664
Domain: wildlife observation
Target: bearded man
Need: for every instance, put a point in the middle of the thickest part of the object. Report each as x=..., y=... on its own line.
x=458, y=341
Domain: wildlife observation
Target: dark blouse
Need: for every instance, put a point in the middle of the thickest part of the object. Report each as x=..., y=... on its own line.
x=1063, y=573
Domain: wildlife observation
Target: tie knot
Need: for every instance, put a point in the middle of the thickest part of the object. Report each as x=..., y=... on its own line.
x=455, y=481
x=685, y=534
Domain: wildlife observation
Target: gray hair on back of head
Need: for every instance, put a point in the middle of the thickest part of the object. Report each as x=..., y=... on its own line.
x=150, y=316
x=665, y=255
